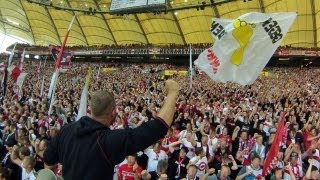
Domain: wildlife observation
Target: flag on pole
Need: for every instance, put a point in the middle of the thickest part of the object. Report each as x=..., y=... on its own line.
x=20, y=81
x=42, y=86
x=22, y=59
x=83, y=100
x=4, y=81
x=190, y=68
x=66, y=61
x=55, y=75
x=11, y=55
x=243, y=46
x=271, y=157
x=15, y=73
x=7, y=70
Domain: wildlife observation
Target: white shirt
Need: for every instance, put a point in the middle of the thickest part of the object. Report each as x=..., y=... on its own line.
x=256, y=172
x=188, y=145
x=201, y=164
x=154, y=158
x=183, y=134
x=26, y=175
x=213, y=141
x=262, y=152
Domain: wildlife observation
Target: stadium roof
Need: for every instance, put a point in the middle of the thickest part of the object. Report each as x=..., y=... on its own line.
x=44, y=25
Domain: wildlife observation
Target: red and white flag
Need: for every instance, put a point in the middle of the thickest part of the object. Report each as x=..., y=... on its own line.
x=269, y=162
x=55, y=74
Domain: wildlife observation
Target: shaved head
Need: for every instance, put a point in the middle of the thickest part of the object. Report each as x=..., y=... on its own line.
x=101, y=103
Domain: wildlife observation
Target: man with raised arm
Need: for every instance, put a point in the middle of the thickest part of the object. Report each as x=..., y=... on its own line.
x=88, y=149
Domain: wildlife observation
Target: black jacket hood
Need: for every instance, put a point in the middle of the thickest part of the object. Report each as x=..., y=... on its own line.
x=87, y=125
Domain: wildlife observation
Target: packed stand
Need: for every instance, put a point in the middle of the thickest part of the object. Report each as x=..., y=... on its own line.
x=220, y=131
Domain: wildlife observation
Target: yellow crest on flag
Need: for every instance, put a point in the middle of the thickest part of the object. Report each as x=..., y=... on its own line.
x=242, y=33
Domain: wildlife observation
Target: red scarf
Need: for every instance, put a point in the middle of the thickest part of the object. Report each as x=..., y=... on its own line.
x=295, y=169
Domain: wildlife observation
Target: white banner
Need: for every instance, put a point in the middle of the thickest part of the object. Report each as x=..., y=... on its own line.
x=243, y=46
x=20, y=81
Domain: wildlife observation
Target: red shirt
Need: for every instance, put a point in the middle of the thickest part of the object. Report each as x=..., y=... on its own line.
x=306, y=135
x=166, y=142
x=227, y=137
x=126, y=173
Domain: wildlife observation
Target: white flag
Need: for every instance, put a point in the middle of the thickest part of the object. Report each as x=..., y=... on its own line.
x=243, y=46
x=12, y=54
x=84, y=96
x=54, y=81
x=20, y=81
x=2, y=66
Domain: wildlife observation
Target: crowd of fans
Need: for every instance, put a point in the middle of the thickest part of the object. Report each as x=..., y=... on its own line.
x=220, y=131
x=108, y=47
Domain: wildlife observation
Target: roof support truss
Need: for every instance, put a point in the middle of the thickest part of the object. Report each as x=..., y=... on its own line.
x=106, y=22
x=84, y=36
x=216, y=12
x=314, y=22
x=28, y=22
x=54, y=26
x=142, y=30
x=261, y=4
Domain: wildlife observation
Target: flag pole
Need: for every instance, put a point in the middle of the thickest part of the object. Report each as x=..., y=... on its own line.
x=82, y=111
x=55, y=75
x=6, y=72
x=22, y=59
x=190, y=67
x=11, y=55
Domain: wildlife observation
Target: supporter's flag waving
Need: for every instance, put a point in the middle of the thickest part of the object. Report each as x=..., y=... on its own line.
x=271, y=157
x=66, y=57
x=7, y=70
x=22, y=59
x=55, y=74
x=66, y=60
x=54, y=50
x=18, y=76
x=83, y=100
x=243, y=46
x=11, y=55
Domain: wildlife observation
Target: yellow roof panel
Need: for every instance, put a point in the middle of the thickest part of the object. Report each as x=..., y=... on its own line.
x=45, y=25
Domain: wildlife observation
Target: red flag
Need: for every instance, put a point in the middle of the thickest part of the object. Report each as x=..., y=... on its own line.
x=57, y=66
x=15, y=73
x=58, y=62
x=275, y=147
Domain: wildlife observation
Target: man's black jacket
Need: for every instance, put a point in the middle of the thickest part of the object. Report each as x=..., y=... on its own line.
x=88, y=150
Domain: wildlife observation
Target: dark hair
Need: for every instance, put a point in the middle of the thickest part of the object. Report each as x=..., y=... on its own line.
x=186, y=150
x=4, y=173
x=198, y=150
x=24, y=151
x=314, y=168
